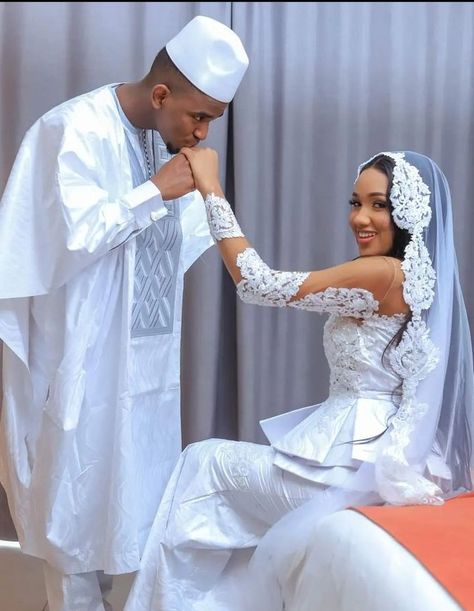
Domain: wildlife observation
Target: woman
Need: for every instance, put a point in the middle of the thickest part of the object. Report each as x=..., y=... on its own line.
x=395, y=427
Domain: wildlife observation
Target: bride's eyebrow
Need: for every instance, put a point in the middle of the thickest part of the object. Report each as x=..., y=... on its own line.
x=371, y=194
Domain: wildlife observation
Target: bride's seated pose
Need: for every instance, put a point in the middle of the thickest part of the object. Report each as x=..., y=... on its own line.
x=395, y=427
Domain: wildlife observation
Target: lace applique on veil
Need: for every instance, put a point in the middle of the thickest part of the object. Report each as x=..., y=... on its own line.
x=416, y=355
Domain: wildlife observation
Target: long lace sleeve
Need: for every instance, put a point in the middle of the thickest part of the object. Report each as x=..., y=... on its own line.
x=264, y=286
x=334, y=290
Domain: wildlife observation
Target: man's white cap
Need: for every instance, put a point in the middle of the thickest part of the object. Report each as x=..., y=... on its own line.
x=211, y=56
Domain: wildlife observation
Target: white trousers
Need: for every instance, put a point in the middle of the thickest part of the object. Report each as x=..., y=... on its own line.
x=77, y=592
x=222, y=498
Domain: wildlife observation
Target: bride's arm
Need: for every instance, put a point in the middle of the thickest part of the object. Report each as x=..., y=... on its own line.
x=336, y=289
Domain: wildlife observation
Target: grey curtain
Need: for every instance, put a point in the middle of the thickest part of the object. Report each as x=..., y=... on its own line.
x=329, y=84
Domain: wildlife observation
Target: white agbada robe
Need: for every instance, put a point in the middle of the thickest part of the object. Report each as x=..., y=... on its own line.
x=90, y=426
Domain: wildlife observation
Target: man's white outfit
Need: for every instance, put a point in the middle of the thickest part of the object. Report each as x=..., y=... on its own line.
x=91, y=284
x=91, y=281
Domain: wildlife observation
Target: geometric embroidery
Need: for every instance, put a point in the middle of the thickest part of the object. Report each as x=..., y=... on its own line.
x=157, y=248
x=156, y=269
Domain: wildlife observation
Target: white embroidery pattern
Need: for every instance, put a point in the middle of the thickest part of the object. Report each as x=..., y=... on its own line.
x=416, y=355
x=221, y=218
x=356, y=303
x=342, y=346
x=410, y=198
x=261, y=285
x=418, y=288
x=238, y=460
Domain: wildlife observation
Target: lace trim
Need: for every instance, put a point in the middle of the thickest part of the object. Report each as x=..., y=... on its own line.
x=356, y=303
x=395, y=319
x=261, y=285
x=420, y=277
x=400, y=484
x=416, y=355
x=409, y=195
x=264, y=286
x=221, y=218
x=343, y=345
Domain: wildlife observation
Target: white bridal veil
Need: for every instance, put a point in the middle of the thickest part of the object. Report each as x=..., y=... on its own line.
x=434, y=362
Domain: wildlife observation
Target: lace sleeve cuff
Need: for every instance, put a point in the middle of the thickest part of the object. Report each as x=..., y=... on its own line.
x=221, y=218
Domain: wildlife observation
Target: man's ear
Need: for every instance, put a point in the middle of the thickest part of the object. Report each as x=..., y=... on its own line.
x=159, y=93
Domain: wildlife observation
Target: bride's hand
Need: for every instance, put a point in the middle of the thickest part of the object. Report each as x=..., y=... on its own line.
x=204, y=164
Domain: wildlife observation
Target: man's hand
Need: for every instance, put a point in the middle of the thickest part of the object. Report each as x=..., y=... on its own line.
x=175, y=178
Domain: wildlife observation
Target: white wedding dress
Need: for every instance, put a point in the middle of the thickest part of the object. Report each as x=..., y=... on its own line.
x=223, y=496
x=388, y=431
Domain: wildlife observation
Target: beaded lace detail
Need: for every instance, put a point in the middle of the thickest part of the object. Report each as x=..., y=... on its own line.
x=416, y=355
x=221, y=218
x=264, y=286
x=357, y=303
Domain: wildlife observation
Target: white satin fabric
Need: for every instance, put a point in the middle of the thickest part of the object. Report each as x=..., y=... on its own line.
x=221, y=499
x=343, y=571
x=364, y=394
x=223, y=496
x=81, y=592
x=90, y=427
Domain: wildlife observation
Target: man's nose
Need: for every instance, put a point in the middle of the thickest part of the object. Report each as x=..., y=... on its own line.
x=201, y=131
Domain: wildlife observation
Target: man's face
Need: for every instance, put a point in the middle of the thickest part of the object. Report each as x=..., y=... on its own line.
x=183, y=118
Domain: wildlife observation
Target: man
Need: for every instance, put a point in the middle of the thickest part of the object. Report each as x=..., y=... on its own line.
x=98, y=224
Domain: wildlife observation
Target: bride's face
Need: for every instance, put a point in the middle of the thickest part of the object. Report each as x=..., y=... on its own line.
x=370, y=217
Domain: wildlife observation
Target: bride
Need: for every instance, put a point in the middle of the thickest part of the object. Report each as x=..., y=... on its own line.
x=394, y=429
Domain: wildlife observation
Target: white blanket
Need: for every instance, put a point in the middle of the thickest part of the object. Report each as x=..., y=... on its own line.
x=355, y=565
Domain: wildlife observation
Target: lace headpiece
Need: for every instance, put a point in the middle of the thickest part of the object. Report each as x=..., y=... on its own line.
x=416, y=355
x=410, y=198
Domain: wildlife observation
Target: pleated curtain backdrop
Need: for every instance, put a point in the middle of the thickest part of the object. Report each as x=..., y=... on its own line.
x=329, y=85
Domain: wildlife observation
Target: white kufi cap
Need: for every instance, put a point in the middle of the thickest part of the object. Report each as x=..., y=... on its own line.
x=211, y=56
